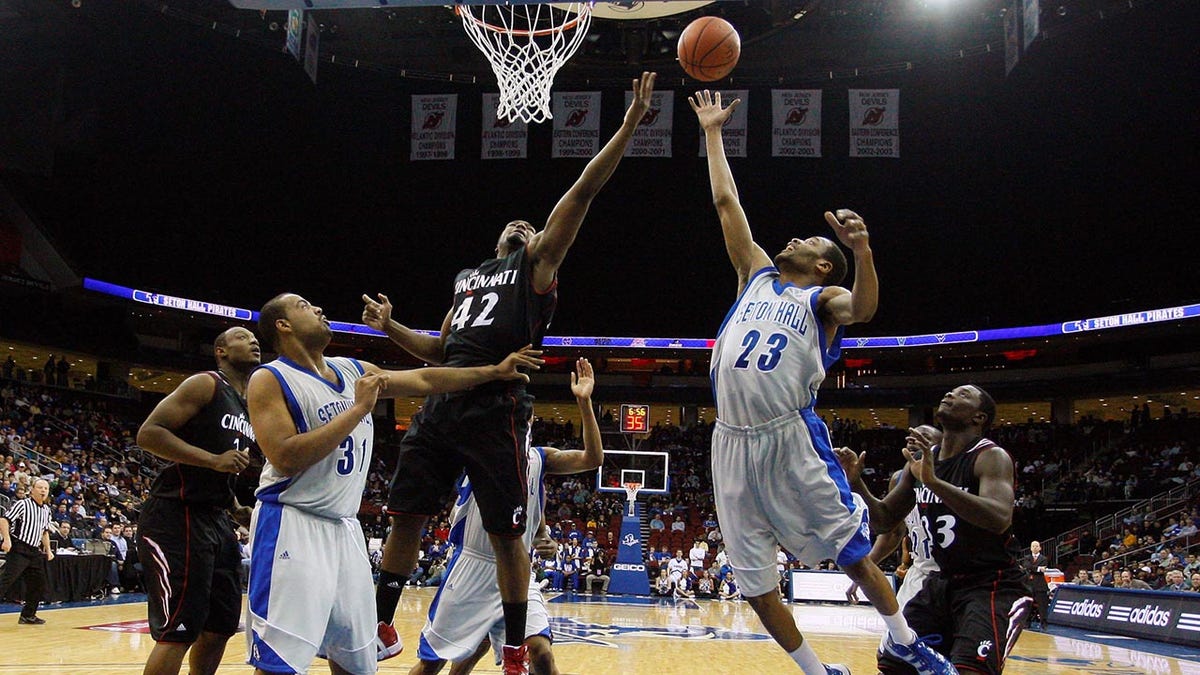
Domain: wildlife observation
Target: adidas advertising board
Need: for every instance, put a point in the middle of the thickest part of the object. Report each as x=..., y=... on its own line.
x=1156, y=615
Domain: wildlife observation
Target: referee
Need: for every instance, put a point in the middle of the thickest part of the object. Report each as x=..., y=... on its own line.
x=25, y=535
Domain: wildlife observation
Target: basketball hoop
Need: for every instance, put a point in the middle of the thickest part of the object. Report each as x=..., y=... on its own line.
x=526, y=45
x=631, y=490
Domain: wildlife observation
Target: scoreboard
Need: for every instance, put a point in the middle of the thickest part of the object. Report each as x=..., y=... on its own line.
x=635, y=418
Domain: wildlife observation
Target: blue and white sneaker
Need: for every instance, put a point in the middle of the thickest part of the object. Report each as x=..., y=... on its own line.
x=836, y=669
x=920, y=656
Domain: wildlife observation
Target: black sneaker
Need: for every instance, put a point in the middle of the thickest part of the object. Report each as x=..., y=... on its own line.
x=31, y=620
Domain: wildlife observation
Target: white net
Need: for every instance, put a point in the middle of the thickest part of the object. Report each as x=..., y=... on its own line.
x=631, y=492
x=526, y=45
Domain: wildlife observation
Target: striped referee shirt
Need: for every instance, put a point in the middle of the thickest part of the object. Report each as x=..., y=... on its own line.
x=27, y=521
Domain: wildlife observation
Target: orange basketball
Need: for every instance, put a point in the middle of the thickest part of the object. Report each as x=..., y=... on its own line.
x=709, y=48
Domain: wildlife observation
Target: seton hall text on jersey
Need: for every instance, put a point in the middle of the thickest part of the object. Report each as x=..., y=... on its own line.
x=238, y=423
x=330, y=410
x=785, y=312
x=477, y=280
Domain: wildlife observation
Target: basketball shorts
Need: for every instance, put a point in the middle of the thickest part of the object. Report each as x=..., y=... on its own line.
x=310, y=592
x=485, y=432
x=191, y=564
x=467, y=607
x=913, y=582
x=780, y=483
x=973, y=623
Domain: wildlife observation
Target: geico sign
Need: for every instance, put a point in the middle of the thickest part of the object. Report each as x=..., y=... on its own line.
x=1150, y=615
x=1087, y=608
x=626, y=567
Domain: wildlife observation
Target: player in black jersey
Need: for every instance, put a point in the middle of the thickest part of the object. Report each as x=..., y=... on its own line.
x=504, y=303
x=186, y=540
x=963, y=489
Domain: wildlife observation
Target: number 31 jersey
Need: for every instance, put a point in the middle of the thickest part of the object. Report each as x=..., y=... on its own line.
x=497, y=311
x=770, y=357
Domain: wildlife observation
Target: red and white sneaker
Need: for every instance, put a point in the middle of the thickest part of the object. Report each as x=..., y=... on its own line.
x=516, y=660
x=387, y=642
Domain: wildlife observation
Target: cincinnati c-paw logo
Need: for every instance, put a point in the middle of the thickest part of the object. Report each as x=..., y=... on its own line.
x=518, y=515
x=434, y=120
x=873, y=117
x=650, y=117
x=984, y=648
x=796, y=116
x=577, y=117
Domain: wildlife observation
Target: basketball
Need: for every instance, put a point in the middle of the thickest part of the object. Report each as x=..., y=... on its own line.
x=709, y=48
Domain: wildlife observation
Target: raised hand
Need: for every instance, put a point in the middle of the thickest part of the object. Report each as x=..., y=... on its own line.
x=708, y=109
x=851, y=463
x=526, y=357
x=231, y=461
x=583, y=380
x=643, y=87
x=917, y=450
x=850, y=229
x=377, y=314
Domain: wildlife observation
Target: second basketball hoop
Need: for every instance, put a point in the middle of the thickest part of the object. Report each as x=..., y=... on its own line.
x=526, y=45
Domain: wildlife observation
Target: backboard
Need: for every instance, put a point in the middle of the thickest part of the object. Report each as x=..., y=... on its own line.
x=651, y=469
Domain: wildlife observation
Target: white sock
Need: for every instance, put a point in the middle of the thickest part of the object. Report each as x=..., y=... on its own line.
x=807, y=659
x=898, y=628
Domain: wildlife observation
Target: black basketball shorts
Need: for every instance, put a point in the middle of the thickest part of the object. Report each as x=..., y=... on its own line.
x=484, y=432
x=973, y=623
x=190, y=563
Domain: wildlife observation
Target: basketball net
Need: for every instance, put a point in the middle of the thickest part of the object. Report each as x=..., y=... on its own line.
x=631, y=490
x=526, y=45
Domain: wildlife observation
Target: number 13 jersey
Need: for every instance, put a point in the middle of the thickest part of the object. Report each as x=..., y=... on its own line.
x=770, y=356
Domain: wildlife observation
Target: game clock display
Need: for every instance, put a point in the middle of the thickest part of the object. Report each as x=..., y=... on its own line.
x=635, y=418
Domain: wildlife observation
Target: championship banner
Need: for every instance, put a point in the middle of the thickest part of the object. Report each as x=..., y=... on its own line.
x=312, y=48
x=433, y=126
x=1012, y=36
x=1030, y=22
x=734, y=133
x=652, y=138
x=576, y=124
x=502, y=139
x=796, y=123
x=295, y=26
x=874, y=122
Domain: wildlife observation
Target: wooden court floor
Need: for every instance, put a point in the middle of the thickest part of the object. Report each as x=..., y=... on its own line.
x=599, y=637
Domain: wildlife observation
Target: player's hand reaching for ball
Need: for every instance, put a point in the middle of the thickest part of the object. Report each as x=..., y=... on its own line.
x=583, y=380
x=526, y=357
x=377, y=314
x=708, y=109
x=850, y=229
x=231, y=461
x=643, y=87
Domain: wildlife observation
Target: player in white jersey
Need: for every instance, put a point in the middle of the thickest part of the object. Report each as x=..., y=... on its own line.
x=310, y=578
x=467, y=606
x=775, y=477
x=912, y=537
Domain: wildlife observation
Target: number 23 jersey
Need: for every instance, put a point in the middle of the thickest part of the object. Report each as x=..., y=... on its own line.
x=770, y=356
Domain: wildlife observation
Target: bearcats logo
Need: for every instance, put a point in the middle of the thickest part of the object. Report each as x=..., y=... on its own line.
x=518, y=515
x=985, y=648
x=873, y=117
x=650, y=117
x=796, y=116
x=433, y=121
x=577, y=117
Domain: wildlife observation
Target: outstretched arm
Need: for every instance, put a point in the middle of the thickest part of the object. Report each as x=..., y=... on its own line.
x=592, y=455
x=435, y=380
x=747, y=257
x=857, y=306
x=548, y=247
x=378, y=315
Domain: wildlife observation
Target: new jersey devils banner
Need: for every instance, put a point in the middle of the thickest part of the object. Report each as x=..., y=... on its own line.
x=502, y=139
x=652, y=138
x=796, y=123
x=734, y=133
x=433, y=126
x=576, y=123
x=874, y=122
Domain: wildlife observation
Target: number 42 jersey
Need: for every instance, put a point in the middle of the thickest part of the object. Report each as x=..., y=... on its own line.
x=770, y=355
